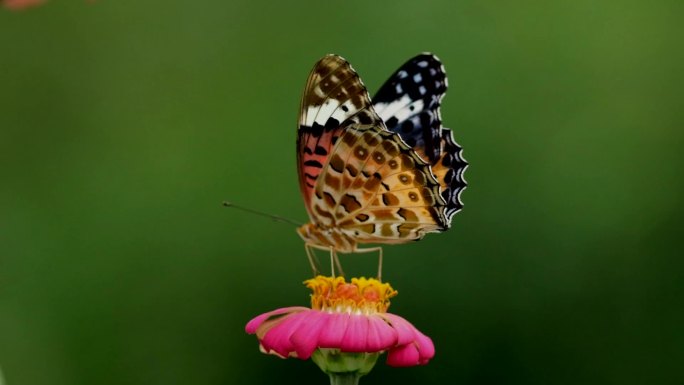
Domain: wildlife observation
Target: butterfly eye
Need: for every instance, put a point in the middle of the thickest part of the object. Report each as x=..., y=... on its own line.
x=413, y=196
x=393, y=164
x=378, y=157
x=404, y=179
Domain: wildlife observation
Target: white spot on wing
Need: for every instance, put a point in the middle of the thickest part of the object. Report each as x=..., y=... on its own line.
x=341, y=115
x=330, y=108
x=399, y=108
x=323, y=113
x=319, y=92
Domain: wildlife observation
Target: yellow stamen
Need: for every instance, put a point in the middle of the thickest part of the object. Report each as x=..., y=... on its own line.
x=366, y=295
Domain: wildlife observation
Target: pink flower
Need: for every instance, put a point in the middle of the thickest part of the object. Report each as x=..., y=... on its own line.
x=344, y=318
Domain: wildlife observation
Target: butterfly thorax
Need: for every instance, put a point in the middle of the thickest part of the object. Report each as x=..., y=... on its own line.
x=327, y=237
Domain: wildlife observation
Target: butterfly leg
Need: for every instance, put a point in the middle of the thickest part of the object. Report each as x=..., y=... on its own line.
x=313, y=261
x=334, y=260
x=370, y=250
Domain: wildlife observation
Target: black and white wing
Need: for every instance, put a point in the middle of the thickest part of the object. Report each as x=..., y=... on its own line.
x=409, y=103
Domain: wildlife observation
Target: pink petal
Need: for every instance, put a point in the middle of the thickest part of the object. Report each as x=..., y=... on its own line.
x=305, y=339
x=413, y=347
x=381, y=336
x=405, y=355
x=278, y=338
x=356, y=337
x=403, y=328
x=254, y=324
x=426, y=348
x=333, y=334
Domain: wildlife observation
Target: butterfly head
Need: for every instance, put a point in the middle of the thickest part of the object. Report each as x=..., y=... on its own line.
x=326, y=237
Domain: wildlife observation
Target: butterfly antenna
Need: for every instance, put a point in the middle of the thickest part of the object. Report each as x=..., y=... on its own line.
x=276, y=218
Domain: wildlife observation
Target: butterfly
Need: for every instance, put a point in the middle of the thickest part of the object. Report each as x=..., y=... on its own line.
x=380, y=171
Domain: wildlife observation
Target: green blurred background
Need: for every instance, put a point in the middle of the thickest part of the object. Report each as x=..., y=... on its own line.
x=124, y=124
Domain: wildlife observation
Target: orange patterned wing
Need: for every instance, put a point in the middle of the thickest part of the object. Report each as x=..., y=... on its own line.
x=334, y=99
x=378, y=190
x=356, y=176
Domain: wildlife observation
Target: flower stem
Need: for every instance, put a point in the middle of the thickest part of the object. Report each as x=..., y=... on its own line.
x=348, y=378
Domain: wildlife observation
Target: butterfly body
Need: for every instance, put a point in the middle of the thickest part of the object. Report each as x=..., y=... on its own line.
x=327, y=237
x=372, y=179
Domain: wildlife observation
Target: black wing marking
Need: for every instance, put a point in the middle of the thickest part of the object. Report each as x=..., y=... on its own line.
x=409, y=103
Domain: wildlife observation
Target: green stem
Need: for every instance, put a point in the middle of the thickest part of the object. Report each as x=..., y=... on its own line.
x=348, y=378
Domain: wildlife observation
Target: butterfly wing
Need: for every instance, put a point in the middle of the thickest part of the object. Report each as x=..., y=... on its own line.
x=383, y=192
x=333, y=99
x=409, y=103
x=356, y=175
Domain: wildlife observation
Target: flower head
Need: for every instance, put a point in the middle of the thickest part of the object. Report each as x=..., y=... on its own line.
x=345, y=329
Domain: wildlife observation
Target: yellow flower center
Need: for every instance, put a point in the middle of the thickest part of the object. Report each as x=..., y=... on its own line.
x=362, y=295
